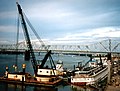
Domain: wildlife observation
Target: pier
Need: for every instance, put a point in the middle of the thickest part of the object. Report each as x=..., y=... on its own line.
x=114, y=83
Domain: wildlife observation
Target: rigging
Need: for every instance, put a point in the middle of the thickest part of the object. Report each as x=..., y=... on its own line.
x=28, y=42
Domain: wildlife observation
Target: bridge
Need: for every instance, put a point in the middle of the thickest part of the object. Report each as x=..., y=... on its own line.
x=103, y=46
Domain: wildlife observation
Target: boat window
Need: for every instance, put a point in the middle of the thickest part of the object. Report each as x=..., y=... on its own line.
x=47, y=72
x=40, y=71
x=92, y=63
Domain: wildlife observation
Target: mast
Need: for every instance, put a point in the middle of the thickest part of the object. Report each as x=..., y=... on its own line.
x=27, y=38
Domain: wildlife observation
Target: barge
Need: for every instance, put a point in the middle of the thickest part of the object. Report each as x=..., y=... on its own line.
x=43, y=75
x=44, y=78
x=31, y=82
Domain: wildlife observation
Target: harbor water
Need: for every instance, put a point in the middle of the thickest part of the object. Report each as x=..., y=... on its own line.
x=68, y=63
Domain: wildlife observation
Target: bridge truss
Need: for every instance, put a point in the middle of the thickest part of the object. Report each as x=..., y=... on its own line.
x=103, y=46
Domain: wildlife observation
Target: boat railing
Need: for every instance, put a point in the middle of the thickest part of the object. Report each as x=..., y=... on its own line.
x=100, y=71
x=95, y=70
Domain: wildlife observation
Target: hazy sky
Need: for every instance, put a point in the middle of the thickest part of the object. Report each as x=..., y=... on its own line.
x=63, y=21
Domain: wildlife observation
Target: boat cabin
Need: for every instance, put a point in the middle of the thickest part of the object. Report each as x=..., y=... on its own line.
x=92, y=63
x=17, y=76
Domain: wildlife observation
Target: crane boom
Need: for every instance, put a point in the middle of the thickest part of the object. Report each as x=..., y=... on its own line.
x=28, y=42
x=45, y=59
x=29, y=45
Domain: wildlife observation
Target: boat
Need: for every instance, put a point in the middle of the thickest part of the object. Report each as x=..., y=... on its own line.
x=43, y=75
x=90, y=76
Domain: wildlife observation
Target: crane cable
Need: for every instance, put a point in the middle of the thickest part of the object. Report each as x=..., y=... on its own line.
x=18, y=23
x=32, y=28
x=40, y=40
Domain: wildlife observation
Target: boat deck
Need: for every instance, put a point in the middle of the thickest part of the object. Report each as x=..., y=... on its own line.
x=31, y=82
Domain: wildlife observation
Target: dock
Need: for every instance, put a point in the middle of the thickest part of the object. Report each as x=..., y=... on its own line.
x=114, y=84
x=113, y=88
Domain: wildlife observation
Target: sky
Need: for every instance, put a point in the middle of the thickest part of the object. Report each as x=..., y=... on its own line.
x=62, y=21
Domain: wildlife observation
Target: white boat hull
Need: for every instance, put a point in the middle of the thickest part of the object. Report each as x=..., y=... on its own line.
x=86, y=79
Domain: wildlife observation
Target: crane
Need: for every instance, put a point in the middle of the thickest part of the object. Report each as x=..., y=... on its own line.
x=29, y=45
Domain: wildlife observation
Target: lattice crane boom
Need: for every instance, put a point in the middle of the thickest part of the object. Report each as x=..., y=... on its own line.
x=27, y=38
x=29, y=44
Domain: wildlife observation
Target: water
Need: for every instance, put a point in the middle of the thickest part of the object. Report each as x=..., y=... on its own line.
x=68, y=60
